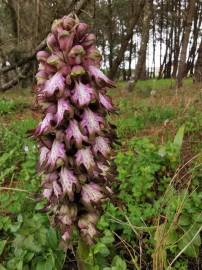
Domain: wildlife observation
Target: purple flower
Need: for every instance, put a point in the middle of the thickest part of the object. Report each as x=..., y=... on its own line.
x=83, y=94
x=45, y=125
x=101, y=146
x=63, y=108
x=75, y=55
x=65, y=40
x=69, y=183
x=91, y=122
x=74, y=135
x=57, y=155
x=85, y=157
x=44, y=154
x=41, y=77
x=57, y=189
x=89, y=40
x=56, y=83
x=42, y=56
x=91, y=194
x=99, y=76
x=87, y=225
x=106, y=102
x=52, y=43
x=77, y=71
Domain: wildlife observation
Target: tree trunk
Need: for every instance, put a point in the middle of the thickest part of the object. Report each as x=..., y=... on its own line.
x=185, y=41
x=126, y=39
x=198, y=66
x=144, y=41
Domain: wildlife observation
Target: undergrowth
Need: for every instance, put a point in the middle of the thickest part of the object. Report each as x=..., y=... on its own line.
x=154, y=219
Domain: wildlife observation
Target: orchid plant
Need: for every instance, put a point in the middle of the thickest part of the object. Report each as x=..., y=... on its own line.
x=75, y=139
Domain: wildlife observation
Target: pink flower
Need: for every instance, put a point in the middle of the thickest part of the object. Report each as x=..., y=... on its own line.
x=69, y=183
x=106, y=102
x=83, y=94
x=89, y=40
x=101, y=146
x=75, y=55
x=74, y=135
x=65, y=39
x=99, y=77
x=77, y=71
x=57, y=189
x=91, y=194
x=63, y=108
x=45, y=125
x=42, y=56
x=57, y=155
x=91, y=122
x=44, y=154
x=84, y=157
x=41, y=77
x=52, y=43
x=56, y=83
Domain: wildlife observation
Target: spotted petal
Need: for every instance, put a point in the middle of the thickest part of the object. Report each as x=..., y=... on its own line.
x=57, y=82
x=99, y=77
x=63, y=107
x=91, y=194
x=101, y=146
x=45, y=125
x=84, y=157
x=106, y=102
x=91, y=122
x=74, y=135
x=44, y=155
x=57, y=155
x=69, y=183
x=83, y=94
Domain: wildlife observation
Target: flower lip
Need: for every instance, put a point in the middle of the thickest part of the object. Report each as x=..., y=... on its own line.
x=91, y=122
x=83, y=94
x=74, y=135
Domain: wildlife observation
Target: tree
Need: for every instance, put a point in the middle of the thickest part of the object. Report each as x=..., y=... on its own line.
x=140, y=67
x=185, y=40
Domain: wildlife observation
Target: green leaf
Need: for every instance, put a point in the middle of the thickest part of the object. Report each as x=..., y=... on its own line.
x=2, y=267
x=179, y=137
x=119, y=263
x=2, y=245
x=41, y=265
x=52, y=238
x=184, y=220
x=101, y=248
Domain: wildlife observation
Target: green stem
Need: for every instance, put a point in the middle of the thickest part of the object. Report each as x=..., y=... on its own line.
x=82, y=255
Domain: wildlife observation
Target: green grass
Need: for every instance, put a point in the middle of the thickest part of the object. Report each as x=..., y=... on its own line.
x=148, y=211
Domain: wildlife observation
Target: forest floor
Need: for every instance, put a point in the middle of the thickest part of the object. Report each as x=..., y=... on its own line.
x=147, y=122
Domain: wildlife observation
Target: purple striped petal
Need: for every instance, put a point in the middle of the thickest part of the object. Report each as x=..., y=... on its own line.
x=47, y=193
x=45, y=125
x=63, y=108
x=69, y=183
x=83, y=94
x=106, y=102
x=91, y=122
x=57, y=189
x=57, y=155
x=99, y=77
x=85, y=157
x=101, y=146
x=65, y=39
x=57, y=82
x=52, y=43
x=43, y=157
x=91, y=194
x=74, y=135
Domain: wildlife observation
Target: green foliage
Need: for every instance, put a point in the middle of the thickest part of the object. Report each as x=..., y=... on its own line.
x=156, y=208
x=8, y=106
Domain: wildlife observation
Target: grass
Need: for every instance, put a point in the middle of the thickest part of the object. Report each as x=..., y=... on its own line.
x=147, y=125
